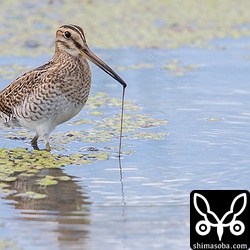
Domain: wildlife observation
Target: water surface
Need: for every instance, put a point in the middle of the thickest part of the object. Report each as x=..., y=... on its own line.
x=144, y=202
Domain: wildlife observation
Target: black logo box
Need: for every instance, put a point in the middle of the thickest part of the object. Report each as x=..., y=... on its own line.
x=220, y=202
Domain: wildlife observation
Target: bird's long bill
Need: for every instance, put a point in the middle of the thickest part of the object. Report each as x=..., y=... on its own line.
x=97, y=61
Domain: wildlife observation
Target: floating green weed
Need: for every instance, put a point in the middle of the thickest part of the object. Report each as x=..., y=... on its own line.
x=137, y=66
x=17, y=163
x=158, y=24
x=152, y=136
x=175, y=68
x=20, y=164
x=99, y=156
x=100, y=99
x=108, y=128
x=214, y=119
x=96, y=113
x=31, y=195
x=8, y=244
x=48, y=180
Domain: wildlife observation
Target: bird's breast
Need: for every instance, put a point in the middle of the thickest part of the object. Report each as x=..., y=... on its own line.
x=74, y=81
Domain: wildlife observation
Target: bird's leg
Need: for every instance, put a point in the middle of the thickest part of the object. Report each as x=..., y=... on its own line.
x=46, y=140
x=48, y=148
x=34, y=142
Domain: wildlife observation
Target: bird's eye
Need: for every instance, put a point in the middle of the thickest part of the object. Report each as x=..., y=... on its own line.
x=67, y=34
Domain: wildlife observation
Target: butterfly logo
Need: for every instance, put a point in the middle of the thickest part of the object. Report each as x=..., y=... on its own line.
x=203, y=227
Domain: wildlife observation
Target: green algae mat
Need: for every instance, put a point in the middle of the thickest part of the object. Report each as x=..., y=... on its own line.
x=28, y=27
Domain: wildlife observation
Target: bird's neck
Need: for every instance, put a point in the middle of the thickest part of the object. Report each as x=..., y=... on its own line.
x=63, y=57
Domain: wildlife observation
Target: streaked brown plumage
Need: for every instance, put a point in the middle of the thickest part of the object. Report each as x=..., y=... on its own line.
x=55, y=92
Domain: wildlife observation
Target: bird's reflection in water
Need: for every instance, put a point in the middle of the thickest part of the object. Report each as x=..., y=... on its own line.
x=64, y=213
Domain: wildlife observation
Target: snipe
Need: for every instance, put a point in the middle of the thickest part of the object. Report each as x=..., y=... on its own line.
x=53, y=93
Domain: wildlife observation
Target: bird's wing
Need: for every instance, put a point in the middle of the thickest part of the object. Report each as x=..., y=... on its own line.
x=15, y=93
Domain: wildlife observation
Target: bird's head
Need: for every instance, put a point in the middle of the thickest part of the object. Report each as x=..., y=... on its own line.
x=71, y=39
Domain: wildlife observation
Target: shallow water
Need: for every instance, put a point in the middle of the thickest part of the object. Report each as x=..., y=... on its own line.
x=144, y=203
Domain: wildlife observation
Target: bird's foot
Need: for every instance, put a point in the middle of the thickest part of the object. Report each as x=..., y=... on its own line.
x=35, y=146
